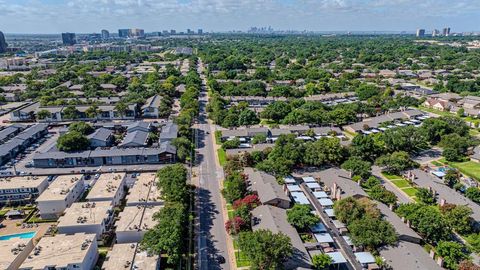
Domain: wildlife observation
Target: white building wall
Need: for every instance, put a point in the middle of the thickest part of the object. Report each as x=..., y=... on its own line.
x=97, y=229
x=129, y=236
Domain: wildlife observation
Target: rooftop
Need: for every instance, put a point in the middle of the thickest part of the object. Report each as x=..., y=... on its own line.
x=60, y=250
x=85, y=213
x=21, y=182
x=10, y=249
x=144, y=190
x=60, y=187
x=265, y=185
x=137, y=218
x=121, y=257
x=106, y=186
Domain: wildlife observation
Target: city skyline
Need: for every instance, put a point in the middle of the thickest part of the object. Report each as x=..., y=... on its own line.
x=27, y=16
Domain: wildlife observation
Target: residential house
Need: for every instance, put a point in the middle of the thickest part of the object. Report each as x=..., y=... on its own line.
x=268, y=190
x=21, y=189
x=102, y=137
x=61, y=194
x=110, y=187
x=86, y=217
x=150, y=108
x=123, y=256
x=14, y=251
x=134, y=221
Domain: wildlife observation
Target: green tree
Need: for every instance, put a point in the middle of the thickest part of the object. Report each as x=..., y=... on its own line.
x=70, y=112
x=372, y=233
x=121, y=108
x=365, y=148
x=301, y=217
x=396, y=162
x=264, y=249
x=381, y=194
x=168, y=235
x=42, y=114
x=348, y=210
x=172, y=181
x=460, y=219
x=426, y=196
x=451, y=178
x=184, y=148
x=358, y=167
x=473, y=194
x=93, y=111
x=72, y=141
x=247, y=118
x=234, y=187
x=321, y=261
x=81, y=127
x=324, y=151
x=452, y=253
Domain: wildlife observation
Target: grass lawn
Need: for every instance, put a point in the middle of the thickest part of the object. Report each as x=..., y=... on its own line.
x=222, y=156
x=437, y=163
x=469, y=168
x=474, y=132
x=410, y=191
x=240, y=258
x=441, y=113
x=391, y=176
x=401, y=183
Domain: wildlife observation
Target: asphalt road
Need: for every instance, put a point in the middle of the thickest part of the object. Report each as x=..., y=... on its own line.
x=212, y=241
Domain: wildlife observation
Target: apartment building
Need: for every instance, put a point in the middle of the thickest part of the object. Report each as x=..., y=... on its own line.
x=90, y=217
x=61, y=194
x=21, y=189
x=134, y=222
x=110, y=187
x=129, y=256
x=14, y=251
x=77, y=251
x=144, y=191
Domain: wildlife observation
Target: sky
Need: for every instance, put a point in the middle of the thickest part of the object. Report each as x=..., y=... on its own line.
x=89, y=16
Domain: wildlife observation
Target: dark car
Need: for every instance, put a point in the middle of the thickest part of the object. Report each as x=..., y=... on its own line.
x=220, y=259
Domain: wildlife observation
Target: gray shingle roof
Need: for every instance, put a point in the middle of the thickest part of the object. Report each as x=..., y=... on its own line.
x=266, y=186
x=101, y=134
x=169, y=132
x=135, y=138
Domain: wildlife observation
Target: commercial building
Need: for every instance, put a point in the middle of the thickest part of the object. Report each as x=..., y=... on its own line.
x=420, y=32
x=3, y=43
x=78, y=251
x=134, y=221
x=123, y=33
x=69, y=39
x=14, y=251
x=129, y=256
x=446, y=31
x=105, y=34
x=136, y=33
x=21, y=189
x=110, y=187
x=86, y=217
x=61, y=194
x=144, y=191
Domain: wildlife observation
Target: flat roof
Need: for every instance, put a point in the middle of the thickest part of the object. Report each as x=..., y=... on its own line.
x=7, y=255
x=320, y=194
x=60, y=250
x=60, y=187
x=137, y=218
x=300, y=198
x=309, y=179
x=106, y=186
x=313, y=185
x=318, y=228
x=294, y=188
x=22, y=182
x=121, y=257
x=337, y=257
x=144, y=190
x=364, y=257
x=85, y=213
x=323, y=238
x=329, y=212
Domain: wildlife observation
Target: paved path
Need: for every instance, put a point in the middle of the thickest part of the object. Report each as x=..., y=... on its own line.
x=401, y=196
x=212, y=238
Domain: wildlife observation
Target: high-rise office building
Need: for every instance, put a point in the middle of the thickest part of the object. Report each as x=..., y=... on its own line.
x=69, y=39
x=136, y=33
x=446, y=31
x=3, y=43
x=173, y=32
x=123, y=33
x=420, y=32
x=105, y=34
x=435, y=33
x=200, y=31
